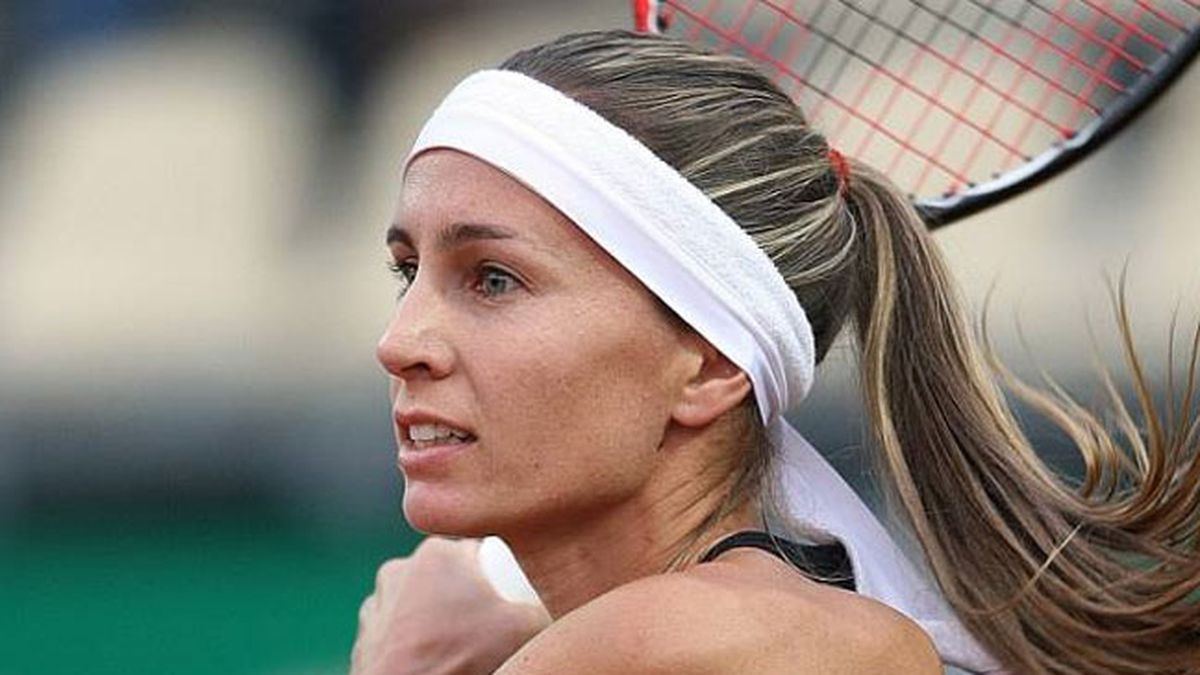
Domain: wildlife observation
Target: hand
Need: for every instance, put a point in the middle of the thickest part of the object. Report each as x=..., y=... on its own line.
x=435, y=614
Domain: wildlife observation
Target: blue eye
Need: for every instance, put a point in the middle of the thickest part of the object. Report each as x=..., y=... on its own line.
x=493, y=282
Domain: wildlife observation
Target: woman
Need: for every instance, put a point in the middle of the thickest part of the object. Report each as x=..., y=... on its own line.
x=620, y=261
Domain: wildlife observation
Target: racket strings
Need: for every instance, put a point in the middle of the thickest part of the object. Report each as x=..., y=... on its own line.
x=986, y=131
x=940, y=94
x=802, y=84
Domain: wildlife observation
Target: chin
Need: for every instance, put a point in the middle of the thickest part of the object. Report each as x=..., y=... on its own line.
x=435, y=509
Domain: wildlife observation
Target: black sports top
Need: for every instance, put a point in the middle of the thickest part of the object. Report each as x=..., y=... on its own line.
x=826, y=563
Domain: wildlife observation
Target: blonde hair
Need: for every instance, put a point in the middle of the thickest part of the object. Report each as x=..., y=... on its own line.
x=1098, y=578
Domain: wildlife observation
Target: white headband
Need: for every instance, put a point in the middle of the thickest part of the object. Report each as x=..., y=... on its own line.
x=660, y=227
x=694, y=258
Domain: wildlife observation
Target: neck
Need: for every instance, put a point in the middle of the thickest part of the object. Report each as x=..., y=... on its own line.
x=639, y=537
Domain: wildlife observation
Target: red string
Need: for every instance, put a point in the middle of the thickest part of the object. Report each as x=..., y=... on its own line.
x=841, y=168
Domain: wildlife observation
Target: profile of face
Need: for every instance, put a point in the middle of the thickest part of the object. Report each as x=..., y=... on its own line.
x=532, y=377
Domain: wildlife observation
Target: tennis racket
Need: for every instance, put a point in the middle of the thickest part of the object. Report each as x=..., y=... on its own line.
x=963, y=103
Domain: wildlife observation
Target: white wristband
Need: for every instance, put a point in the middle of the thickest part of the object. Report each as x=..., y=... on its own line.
x=501, y=570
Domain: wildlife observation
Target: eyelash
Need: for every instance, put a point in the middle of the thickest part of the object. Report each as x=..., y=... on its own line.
x=405, y=272
x=402, y=269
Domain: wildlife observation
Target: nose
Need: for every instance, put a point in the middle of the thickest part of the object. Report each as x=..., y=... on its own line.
x=414, y=345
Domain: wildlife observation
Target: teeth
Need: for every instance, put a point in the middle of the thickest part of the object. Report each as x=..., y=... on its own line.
x=434, y=432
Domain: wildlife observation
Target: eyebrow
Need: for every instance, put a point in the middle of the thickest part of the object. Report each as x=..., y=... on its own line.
x=455, y=235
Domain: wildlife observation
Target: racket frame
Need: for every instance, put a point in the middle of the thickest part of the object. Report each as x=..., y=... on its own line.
x=940, y=211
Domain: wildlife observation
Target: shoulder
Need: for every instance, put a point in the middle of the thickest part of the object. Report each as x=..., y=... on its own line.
x=728, y=618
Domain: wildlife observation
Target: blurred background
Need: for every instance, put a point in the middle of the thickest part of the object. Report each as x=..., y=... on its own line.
x=196, y=465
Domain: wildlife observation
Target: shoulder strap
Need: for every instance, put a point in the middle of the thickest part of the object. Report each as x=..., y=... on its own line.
x=827, y=563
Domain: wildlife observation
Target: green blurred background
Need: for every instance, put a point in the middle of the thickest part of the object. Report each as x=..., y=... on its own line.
x=238, y=591
x=196, y=464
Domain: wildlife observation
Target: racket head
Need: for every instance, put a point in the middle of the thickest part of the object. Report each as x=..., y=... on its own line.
x=962, y=103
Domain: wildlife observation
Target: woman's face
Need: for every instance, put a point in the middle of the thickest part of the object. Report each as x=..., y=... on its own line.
x=532, y=377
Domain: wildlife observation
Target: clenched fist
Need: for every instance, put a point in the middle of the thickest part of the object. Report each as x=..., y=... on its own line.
x=434, y=613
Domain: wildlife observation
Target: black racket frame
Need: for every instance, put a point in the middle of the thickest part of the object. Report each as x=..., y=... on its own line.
x=941, y=211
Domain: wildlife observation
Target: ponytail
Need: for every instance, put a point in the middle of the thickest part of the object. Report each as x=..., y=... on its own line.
x=1051, y=579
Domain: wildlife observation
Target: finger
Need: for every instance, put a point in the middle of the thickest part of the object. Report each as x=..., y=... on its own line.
x=390, y=574
x=367, y=610
x=441, y=552
x=443, y=546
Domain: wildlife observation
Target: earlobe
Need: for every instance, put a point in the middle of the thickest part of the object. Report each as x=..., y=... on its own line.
x=718, y=387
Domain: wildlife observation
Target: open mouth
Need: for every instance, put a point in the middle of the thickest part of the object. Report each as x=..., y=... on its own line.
x=424, y=436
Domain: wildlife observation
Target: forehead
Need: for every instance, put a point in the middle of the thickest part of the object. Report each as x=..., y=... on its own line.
x=446, y=186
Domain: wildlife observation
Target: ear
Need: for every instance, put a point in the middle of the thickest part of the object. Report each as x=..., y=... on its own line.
x=714, y=389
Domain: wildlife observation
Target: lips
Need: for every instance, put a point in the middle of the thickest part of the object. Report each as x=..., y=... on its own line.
x=427, y=439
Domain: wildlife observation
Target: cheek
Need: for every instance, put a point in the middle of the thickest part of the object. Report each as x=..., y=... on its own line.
x=582, y=397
